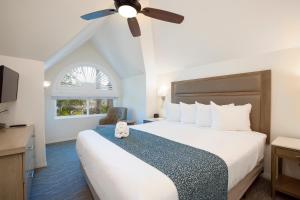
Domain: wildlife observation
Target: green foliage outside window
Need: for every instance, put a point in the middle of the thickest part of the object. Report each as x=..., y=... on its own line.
x=100, y=106
x=77, y=107
x=71, y=107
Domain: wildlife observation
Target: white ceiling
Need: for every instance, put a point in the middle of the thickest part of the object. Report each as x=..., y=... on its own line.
x=213, y=30
x=216, y=30
x=36, y=29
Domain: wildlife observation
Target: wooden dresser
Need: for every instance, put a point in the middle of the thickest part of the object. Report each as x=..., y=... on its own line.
x=16, y=162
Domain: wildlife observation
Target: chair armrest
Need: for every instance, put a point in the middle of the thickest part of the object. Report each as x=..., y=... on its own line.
x=105, y=121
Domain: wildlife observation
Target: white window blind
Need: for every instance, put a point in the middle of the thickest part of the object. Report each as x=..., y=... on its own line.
x=86, y=75
x=83, y=81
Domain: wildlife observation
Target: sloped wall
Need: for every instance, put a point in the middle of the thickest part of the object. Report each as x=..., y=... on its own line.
x=123, y=52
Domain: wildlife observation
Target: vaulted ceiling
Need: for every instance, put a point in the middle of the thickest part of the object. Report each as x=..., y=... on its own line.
x=213, y=30
x=216, y=30
x=36, y=29
x=123, y=52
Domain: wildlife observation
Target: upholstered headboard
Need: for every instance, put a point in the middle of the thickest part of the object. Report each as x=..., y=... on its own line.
x=253, y=88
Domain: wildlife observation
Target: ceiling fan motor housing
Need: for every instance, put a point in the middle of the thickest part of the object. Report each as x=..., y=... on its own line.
x=132, y=3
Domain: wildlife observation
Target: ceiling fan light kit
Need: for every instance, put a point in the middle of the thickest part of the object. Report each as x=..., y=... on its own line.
x=129, y=9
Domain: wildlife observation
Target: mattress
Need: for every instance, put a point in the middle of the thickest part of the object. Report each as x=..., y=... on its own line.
x=116, y=174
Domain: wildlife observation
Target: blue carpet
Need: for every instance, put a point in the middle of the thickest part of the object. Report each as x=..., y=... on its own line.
x=62, y=179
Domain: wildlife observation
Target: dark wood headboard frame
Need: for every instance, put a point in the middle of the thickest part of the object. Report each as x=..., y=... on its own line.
x=253, y=88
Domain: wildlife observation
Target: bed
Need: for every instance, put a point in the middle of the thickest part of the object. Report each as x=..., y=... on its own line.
x=113, y=173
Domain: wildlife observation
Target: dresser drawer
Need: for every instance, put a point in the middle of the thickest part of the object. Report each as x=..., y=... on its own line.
x=288, y=153
x=11, y=182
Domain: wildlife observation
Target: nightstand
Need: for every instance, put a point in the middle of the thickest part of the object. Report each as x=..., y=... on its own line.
x=152, y=120
x=284, y=148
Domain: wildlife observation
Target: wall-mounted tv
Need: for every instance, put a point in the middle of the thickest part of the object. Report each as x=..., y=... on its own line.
x=9, y=81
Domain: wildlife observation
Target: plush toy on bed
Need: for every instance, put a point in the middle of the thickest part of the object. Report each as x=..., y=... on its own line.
x=122, y=130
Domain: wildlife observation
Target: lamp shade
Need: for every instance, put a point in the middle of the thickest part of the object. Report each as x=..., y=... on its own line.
x=47, y=84
x=162, y=91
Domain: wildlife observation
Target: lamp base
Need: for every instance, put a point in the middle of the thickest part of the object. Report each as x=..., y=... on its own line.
x=156, y=116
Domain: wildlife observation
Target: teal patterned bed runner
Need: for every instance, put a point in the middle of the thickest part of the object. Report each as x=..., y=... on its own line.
x=197, y=174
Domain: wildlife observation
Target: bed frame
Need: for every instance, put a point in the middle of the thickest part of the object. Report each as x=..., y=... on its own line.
x=254, y=88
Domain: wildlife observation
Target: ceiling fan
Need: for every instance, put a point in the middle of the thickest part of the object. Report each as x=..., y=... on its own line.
x=129, y=9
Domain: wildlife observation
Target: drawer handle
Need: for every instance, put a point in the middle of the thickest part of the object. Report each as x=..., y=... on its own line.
x=297, y=156
x=31, y=175
x=29, y=148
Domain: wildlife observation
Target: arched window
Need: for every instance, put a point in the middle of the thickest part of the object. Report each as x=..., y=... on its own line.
x=79, y=76
x=83, y=90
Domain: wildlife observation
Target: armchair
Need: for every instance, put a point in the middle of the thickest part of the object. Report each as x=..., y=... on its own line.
x=114, y=115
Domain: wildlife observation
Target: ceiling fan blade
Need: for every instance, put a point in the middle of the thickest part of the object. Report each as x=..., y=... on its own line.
x=98, y=14
x=163, y=15
x=134, y=27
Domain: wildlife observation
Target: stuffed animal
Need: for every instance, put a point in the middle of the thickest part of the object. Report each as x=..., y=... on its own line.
x=122, y=130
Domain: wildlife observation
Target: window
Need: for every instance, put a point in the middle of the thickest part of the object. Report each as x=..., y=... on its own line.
x=83, y=90
x=71, y=107
x=99, y=106
x=86, y=75
x=86, y=80
x=82, y=107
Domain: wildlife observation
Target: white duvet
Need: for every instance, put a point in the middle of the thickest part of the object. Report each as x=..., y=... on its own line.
x=116, y=174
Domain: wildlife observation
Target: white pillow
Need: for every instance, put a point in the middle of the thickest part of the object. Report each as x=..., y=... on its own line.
x=187, y=113
x=231, y=118
x=173, y=112
x=203, y=114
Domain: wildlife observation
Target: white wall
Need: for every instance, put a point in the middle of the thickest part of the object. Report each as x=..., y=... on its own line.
x=151, y=68
x=285, y=66
x=67, y=129
x=29, y=107
x=134, y=97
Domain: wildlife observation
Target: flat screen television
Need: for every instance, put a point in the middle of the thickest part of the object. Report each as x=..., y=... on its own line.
x=9, y=81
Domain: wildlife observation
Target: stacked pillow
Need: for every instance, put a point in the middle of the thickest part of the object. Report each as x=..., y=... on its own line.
x=225, y=117
x=187, y=113
x=203, y=115
x=231, y=118
x=173, y=112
